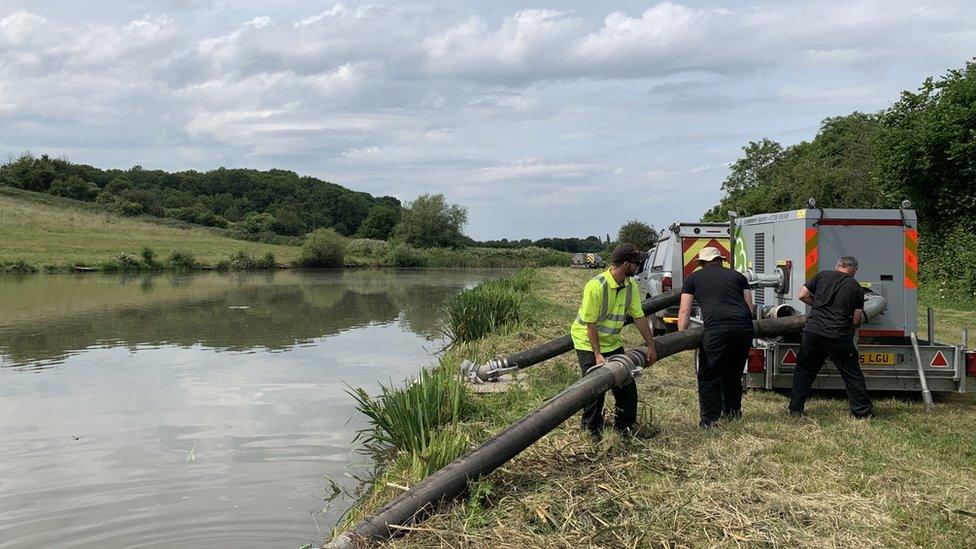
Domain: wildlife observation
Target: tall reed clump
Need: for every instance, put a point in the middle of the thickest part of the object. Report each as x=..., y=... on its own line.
x=417, y=424
x=492, y=304
x=323, y=248
x=182, y=261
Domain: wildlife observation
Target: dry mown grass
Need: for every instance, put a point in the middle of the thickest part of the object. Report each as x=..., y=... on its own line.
x=903, y=479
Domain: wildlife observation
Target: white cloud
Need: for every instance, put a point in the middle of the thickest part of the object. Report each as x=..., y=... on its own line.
x=405, y=98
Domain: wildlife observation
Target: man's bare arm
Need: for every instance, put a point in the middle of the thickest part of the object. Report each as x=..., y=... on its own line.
x=594, y=338
x=684, y=311
x=858, y=317
x=747, y=296
x=805, y=296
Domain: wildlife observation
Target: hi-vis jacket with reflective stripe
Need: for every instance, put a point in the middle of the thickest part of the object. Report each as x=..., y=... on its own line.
x=607, y=304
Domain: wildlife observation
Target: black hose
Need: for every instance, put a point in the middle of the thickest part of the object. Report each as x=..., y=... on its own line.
x=558, y=346
x=452, y=480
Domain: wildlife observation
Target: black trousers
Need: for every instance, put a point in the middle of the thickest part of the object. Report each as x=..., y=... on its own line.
x=721, y=360
x=625, y=398
x=814, y=350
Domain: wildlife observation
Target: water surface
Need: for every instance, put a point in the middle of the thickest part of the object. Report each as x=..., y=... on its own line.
x=196, y=411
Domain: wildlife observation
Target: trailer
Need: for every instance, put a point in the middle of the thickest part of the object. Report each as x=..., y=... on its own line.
x=673, y=258
x=587, y=261
x=793, y=246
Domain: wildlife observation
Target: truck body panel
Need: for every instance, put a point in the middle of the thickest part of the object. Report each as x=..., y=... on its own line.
x=802, y=243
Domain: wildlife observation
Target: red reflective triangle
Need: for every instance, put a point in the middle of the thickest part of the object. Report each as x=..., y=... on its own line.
x=939, y=360
x=789, y=357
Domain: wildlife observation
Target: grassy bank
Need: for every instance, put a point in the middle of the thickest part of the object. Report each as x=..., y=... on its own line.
x=902, y=479
x=40, y=232
x=44, y=231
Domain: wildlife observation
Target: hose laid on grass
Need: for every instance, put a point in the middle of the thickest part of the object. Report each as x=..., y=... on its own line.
x=452, y=480
x=478, y=373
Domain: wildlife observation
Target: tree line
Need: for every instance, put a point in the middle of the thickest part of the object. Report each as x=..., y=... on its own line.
x=251, y=201
x=922, y=148
x=571, y=245
x=261, y=205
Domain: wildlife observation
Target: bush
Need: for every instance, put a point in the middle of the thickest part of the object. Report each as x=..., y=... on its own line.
x=266, y=262
x=128, y=262
x=404, y=255
x=241, y=261
x=367, y=247
x=128, y=208
x=182, y=261
x=476, y=313
x=108, y=266
x=323, y=248
x=18, y=267
x=199, y=215
x=149, y=259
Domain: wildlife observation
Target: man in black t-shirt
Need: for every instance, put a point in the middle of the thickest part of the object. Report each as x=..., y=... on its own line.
x=725, y=302
x=837, y=302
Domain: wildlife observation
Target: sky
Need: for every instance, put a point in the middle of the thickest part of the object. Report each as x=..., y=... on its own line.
x=541, y=118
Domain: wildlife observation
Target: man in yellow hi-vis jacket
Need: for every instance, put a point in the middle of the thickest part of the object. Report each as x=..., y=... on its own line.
x=608, y=299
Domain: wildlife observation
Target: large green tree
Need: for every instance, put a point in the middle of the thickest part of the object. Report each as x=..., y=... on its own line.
x=927, y=150
x=430, y=222
x=638, y=233
x=836, y=168
x=922, y=148
x=380, y=221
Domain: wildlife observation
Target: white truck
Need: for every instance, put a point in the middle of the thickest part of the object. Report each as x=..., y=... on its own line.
x=672, y=259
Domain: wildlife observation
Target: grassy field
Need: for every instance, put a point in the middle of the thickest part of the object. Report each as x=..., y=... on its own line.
x=902, y=479
x=46, y=230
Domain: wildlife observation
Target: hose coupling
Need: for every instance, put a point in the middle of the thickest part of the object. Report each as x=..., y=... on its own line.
x=489, y=371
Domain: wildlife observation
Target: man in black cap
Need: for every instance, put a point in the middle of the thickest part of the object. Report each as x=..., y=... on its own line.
x=725, y=300
x=837, y=302
x=608, y=299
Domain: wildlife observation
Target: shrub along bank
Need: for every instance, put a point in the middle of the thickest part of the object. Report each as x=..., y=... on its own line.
x=901, y=479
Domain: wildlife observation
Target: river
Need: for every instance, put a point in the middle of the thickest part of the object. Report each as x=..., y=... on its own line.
x=206, y=410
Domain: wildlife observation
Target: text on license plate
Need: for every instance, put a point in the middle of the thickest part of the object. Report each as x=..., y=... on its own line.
x=877, y=359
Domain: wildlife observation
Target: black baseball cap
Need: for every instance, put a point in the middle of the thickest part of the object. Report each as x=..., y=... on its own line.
x=628, y=252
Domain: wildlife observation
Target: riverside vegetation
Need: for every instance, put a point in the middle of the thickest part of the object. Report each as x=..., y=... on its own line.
x=902, y=479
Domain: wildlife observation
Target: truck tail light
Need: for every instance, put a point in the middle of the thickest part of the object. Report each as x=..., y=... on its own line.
x=971, y=364
x=757, y=361
x=666, y=283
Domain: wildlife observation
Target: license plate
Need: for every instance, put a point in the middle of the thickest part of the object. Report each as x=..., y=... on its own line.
x=877, y=359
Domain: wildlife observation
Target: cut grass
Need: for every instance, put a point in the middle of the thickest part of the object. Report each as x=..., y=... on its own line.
x=903, y=479
x=62, y=232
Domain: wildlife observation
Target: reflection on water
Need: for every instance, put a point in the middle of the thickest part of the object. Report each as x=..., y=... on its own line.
x=195, y=411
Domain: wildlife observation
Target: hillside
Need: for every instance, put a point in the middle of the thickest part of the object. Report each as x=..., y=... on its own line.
x=252, y=202
x=46, y=230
